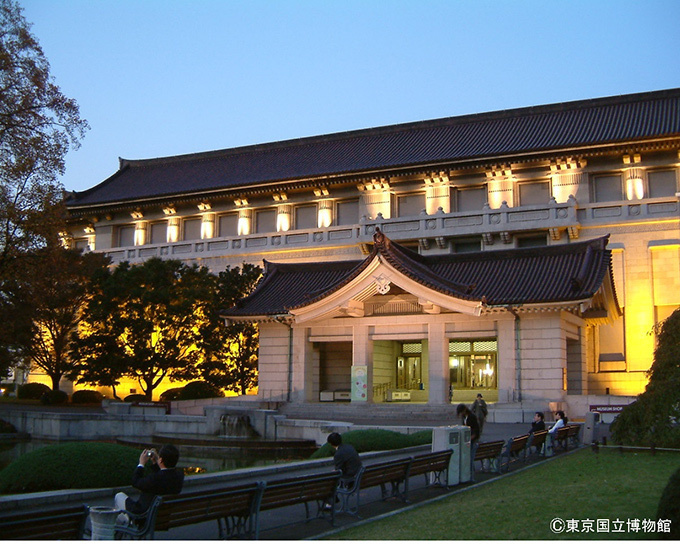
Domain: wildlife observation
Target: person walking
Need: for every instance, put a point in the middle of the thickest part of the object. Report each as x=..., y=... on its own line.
x=480, y=410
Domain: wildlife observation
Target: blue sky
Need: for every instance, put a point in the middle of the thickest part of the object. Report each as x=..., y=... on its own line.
x=168, y=77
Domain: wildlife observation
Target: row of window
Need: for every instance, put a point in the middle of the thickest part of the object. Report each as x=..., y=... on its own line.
x=605, y=188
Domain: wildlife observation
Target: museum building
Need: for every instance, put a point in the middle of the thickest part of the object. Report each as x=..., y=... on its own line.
x=525, y=253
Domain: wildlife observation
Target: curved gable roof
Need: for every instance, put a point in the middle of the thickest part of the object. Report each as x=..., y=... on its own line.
x=544, y=275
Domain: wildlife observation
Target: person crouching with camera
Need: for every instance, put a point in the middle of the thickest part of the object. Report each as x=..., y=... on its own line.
x=163, y=479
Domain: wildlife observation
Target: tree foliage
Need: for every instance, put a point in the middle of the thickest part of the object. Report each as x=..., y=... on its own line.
x=230, y=353
x=53, y=291
x=654, y=418
x=38, y=126
x=144, y=322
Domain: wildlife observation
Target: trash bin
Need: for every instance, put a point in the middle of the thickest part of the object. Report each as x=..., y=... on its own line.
x=591, y=429
x=103, y=520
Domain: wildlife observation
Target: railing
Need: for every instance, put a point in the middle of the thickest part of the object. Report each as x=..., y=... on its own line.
x=380, y=391
x=495, y=226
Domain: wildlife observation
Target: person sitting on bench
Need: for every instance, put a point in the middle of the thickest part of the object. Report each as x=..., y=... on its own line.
x=164, y=479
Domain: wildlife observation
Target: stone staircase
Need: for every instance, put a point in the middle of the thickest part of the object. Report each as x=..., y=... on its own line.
x=406, y=412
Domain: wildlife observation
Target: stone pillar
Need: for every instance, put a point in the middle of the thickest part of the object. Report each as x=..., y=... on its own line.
x=141, y=232
x=284, y=217
x=438, y=361
x=437, y=194
x=500, y=185
x=207, y=226
x=376, y=199
x=362, y=355
x=568, y=178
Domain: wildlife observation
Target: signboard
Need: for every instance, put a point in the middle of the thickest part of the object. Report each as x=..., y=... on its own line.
x=607, y=408
x=359, y=383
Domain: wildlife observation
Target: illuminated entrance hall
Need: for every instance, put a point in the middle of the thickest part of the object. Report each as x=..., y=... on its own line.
x=402, y=327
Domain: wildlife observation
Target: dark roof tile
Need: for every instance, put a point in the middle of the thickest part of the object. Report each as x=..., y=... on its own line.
x=466, y=138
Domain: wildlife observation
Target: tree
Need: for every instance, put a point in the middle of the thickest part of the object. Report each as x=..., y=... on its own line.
x=654, y=418
x=144, y=322
x=230, y=352
x=38, y=126
x=48, y=300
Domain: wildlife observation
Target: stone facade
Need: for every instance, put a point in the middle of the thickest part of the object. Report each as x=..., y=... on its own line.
x=625, y=187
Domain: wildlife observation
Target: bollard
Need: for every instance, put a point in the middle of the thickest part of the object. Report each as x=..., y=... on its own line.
x=103, y=520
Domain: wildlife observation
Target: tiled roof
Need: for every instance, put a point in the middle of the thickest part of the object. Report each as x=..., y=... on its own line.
x=567, y=126
x=542, y=275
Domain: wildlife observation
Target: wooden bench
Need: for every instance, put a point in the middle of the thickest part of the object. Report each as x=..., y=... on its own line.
x=491, y=451
x=515, y=447
x=393, y=472
x=537, y=441
x=235, y=510
x=565, y=435
x=56, y=523
x=316, y=488
x=433, y=466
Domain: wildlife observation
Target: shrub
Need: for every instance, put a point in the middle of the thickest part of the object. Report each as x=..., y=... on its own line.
x=32, y=391
x=68, y=466
x=135, y=398
x=376, y=440
x=171, y=394
x=653, y=418
x=54, y=397
x=199, y=390
x=669, y=507
x=6, y=427
x=86, y=396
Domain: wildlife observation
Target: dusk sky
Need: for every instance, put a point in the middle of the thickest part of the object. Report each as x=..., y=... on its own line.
x=168, y=77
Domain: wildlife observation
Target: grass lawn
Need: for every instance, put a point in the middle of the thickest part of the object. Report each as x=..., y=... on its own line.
x=579, y=486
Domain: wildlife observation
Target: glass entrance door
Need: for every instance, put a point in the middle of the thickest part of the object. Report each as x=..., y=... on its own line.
x=473, y=364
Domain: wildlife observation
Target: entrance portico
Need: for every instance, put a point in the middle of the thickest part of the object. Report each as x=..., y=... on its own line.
x=398, y=326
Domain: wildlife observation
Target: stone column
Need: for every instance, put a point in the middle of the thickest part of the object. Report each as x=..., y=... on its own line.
x=362, y=356
x=438, y=360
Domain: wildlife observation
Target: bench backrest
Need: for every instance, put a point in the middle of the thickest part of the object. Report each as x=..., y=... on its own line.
x=199, y=506
x=298, y=490
x=53, y=524
x=430, y=462
x=538, y=438
x=386, y=472
x=518, y=443
x=489, y=450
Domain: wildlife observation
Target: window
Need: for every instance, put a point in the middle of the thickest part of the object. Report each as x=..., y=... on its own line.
x=532, y=241
x=126, y=236
x=535, y=193
x=612, y=347
x=192, y=229
x=410, y=205
x=607, y=188
x=467, y=246
x=305, y=217
x=662, y=183
x=159, y=233
x=469, y=200
x=228, y=225
x=265, y=221
x=347, y=212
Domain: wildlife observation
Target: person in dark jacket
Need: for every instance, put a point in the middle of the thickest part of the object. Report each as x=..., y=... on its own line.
x=538, y=424
x=346, y=458
x=164, y=479
x=468, y=419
